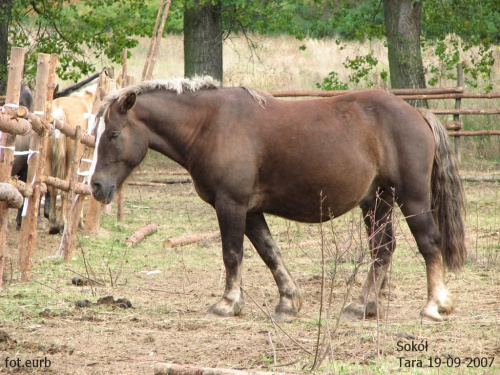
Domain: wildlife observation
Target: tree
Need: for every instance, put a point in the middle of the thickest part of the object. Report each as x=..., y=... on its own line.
x=203, y=39
x=5, y=14
x=402, y=25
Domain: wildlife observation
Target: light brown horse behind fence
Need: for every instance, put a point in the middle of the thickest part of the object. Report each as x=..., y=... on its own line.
x=73, y=110
x=250, y=154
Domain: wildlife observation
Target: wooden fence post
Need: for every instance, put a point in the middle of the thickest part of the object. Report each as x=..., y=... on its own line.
x=38, y=144
x=94, y=207
x=7, y=141
x=458, y=103
x=75, y=203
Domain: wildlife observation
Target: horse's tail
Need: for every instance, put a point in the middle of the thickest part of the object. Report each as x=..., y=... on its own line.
x=58, y=147
x=448, y=197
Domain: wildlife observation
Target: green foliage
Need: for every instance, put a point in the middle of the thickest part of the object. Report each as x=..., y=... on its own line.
x=361, y=66
x=79, y=32
x=454, y=28
x=332, y=82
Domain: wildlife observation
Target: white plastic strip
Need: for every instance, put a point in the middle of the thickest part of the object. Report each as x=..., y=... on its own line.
x=91, y=121
x=25, y=207
x=29, y=153
x=100, y=129
x=9, y=105
x=27, y=200
x=79, y=173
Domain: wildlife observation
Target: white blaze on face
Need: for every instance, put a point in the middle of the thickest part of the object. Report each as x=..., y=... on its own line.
x=100, y=129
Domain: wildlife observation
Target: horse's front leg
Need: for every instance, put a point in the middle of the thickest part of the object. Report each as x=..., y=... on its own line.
x=231, y=216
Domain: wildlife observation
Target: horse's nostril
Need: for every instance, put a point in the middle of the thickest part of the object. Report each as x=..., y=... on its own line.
x=96, y=187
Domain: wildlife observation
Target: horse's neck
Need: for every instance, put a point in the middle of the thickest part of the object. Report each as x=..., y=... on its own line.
x=173, y=122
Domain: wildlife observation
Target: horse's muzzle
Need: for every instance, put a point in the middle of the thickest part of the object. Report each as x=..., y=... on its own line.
x=103, y=193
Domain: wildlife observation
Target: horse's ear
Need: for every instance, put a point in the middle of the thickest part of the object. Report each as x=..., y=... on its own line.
x=55, y=91
x=127, y=101
x=102, y=93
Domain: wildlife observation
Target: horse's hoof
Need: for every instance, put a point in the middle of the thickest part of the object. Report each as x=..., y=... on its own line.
x=360, y=310
x=372, y=308
x=284, y=318
x=432, y=311
x=225, y=308
x=53, y=230
x=289, y=305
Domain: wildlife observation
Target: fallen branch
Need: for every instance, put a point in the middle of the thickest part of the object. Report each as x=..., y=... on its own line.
x=158, y=183
x=175, y=369
x=184, y=240
x=174, y=181
x=140, y=234
x=160, y=172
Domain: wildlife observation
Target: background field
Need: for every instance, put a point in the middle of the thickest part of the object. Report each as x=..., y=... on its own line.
x=171, y=289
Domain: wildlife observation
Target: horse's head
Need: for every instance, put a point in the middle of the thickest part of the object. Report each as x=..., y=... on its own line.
x=121, y=144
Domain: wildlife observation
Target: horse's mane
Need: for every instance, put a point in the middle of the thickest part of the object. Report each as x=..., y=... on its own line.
x=178, y=85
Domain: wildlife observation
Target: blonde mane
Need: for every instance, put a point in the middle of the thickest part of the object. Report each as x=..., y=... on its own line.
x=178, y=85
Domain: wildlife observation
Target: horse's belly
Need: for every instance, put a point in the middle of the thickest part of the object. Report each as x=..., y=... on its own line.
x=311, y=206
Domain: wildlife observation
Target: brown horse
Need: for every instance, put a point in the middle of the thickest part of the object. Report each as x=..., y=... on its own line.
x=250, y=154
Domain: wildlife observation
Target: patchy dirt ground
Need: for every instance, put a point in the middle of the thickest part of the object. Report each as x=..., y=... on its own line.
x=167, y=321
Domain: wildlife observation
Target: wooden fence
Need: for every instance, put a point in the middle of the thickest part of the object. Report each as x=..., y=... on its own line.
x=15, y=120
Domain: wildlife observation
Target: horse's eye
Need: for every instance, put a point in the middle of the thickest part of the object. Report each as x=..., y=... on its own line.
x=114, y=135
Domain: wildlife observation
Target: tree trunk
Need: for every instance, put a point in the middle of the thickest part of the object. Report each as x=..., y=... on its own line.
x=203, y=40
x=402, y=23
x=5, y=12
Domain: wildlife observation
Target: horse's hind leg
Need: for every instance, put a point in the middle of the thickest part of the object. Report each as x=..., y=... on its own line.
x=428, y=238
x=258, y=233
x=377, y=213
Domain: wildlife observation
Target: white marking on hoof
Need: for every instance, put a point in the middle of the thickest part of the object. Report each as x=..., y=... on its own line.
x=444, y=300
x=431, y=311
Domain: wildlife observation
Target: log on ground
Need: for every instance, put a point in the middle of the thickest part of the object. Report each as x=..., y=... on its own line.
x=184, y=240
x=160, y=182
x=175, y=369
x=140, y=234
